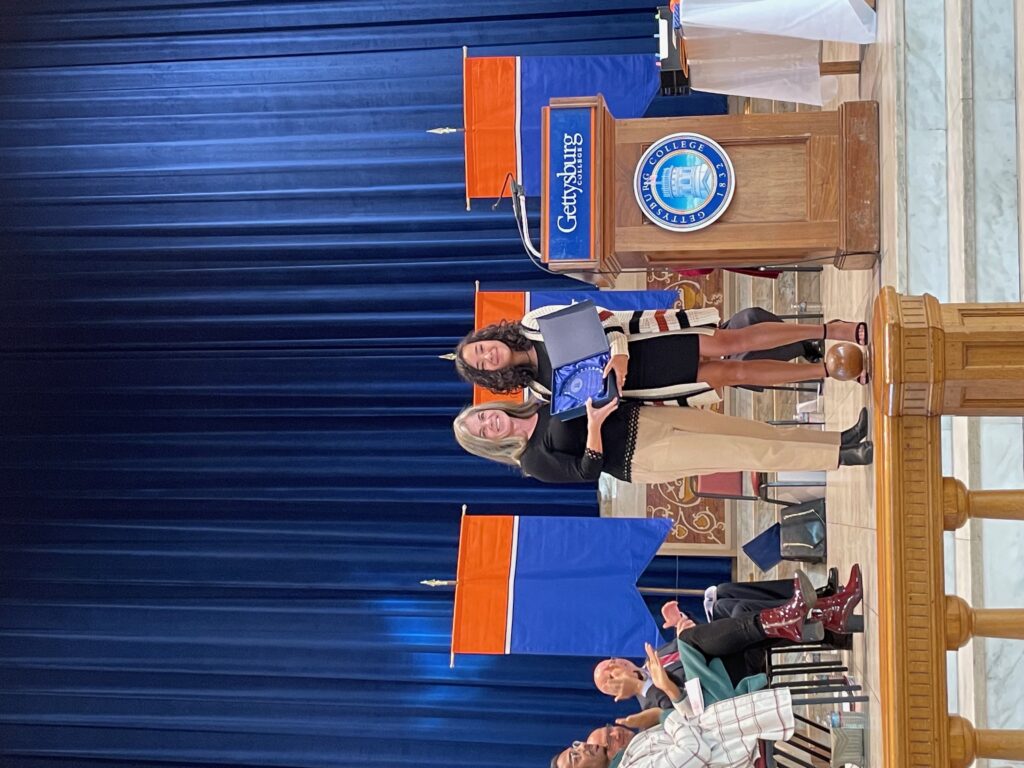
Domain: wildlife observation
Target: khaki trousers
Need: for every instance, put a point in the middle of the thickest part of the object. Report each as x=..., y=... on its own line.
x=677, y=442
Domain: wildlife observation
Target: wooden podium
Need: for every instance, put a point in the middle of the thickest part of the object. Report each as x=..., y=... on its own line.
x=805, y=189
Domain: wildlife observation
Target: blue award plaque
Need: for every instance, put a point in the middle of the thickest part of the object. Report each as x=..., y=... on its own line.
x=573, y=384
x=578, y=349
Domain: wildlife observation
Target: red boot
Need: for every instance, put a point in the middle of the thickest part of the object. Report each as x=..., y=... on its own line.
x=787, y=621
x=834, y=612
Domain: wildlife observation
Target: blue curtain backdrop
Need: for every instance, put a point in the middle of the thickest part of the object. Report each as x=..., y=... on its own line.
x=231, y=255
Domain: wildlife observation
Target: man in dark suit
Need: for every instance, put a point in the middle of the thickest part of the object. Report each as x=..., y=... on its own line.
x=622, y=679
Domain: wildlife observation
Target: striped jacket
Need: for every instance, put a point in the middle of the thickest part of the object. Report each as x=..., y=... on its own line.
x=621, y=327
x=724, y=735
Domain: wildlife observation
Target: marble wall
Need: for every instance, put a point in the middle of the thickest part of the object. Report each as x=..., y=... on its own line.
x=995, y=156
x=926, y=138
x=963, y=216
x=1002, y=466
x=997, y=278
x=963, y=224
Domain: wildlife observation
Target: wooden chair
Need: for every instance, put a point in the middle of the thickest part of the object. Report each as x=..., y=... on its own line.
x=730, y=485
x=813, y=748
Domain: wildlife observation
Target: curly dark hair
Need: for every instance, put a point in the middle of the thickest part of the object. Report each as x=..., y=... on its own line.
x=507, y=380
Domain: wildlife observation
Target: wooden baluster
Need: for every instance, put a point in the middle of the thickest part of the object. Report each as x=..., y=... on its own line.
x=967, y=743
x=964, y=622
x=959, y=504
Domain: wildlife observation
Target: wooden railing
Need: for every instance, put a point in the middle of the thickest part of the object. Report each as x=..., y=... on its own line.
x=931, y=359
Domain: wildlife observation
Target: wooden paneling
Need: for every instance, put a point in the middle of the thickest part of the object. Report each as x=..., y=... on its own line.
x=983, y=361
x=725, y=238
x=727, y=128
x=801, y=194
x=771, y=183
x=859, y=178
x=787, y=201
x=822, y=180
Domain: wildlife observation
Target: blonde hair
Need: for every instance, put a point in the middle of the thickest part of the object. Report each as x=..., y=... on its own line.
x=506, y=450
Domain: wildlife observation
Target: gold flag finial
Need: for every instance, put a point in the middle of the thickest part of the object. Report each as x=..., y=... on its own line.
x=449, y=356
x=444, y=583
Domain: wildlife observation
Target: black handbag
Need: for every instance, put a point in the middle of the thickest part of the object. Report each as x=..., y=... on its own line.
x=803, y=532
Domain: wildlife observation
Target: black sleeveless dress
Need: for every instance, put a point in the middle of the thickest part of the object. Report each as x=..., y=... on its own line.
x=654, y=362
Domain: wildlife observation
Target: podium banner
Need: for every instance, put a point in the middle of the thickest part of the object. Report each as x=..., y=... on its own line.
x=569, y=221
x=503, y=96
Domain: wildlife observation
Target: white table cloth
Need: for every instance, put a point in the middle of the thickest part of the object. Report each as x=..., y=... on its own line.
x=758, y=66
x=845, y=21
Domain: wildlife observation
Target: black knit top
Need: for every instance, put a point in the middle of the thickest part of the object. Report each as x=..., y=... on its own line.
x=557, y=450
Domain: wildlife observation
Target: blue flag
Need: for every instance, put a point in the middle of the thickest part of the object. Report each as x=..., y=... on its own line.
x=628, y=82
x=574, y=585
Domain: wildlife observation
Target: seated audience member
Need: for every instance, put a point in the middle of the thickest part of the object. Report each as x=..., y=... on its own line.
x=614, y=738
x=834, y=609
x=724, y=735
x=716, y=652
x=721, y=600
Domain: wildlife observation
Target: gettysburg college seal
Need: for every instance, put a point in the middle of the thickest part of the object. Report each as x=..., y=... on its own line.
x=684, y=182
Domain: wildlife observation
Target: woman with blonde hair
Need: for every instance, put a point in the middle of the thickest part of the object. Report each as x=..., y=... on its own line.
x=649, y=444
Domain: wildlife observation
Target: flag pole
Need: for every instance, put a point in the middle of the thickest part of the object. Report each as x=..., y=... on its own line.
x=670, y=591
x=450, y=583
x=641, y=590
x=465, y=120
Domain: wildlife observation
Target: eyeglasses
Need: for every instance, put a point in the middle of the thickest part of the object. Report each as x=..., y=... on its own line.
x=574, y=753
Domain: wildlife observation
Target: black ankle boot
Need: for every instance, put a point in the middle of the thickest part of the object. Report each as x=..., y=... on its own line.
x=856, y=433
x=857, y=455
x=814, y=351
x=839, y=642
x=831, y=586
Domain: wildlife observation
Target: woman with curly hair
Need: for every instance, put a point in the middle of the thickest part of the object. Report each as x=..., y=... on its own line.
x=657, y=356
x=648, y=444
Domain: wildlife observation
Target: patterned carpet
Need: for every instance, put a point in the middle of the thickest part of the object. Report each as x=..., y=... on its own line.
x=699, y=526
